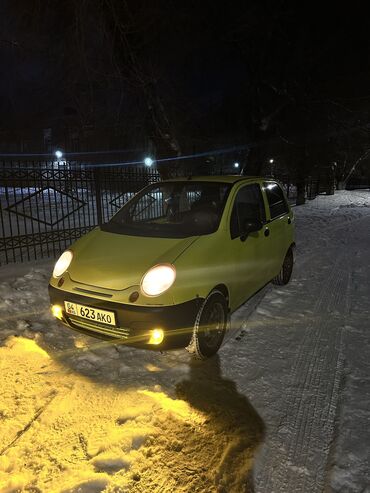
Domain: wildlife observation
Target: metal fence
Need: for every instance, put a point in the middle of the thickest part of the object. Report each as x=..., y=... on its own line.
x=46, y=205
x=358, y=183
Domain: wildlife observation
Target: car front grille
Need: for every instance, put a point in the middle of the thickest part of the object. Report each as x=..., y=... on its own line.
x=119, y=332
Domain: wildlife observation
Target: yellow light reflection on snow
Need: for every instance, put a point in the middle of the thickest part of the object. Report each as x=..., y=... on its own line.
x=180, y=409
x=68, y=426
x=21, y=344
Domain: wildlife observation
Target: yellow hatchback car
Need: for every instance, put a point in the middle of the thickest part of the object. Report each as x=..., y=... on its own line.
x=175, y=261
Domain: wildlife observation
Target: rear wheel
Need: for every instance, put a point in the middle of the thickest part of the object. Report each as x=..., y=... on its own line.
x=210, y=325
x=286, y=270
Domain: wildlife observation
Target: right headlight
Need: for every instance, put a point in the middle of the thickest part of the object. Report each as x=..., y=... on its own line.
x=63, y=263
x=158, y=279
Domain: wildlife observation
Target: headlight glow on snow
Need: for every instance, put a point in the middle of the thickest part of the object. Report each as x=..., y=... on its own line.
x=63, y=263
x=158, y=279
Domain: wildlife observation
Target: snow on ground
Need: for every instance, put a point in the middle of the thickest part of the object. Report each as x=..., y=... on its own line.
x=284, y=407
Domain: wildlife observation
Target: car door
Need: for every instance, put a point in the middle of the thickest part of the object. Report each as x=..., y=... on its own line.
x=279, y=225
x=249, y=253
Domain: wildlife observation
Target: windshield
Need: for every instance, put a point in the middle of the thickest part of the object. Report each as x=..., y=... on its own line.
x=172, y=210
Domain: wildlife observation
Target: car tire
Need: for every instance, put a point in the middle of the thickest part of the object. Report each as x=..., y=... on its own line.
x=286, y=270
x=210, y=326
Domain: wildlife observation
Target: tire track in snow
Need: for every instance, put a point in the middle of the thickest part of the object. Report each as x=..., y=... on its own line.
x=327, y=236
x=303, y=439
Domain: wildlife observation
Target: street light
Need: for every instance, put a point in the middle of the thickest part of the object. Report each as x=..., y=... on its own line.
x=236, y=165
x=271, y=160
x=148, y=161
x=58, y=154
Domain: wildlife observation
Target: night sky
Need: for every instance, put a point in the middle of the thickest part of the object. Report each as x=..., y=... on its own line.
x=206, y=74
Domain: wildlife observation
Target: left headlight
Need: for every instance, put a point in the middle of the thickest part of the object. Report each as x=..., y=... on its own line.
x=63, y=263
x=158, y=279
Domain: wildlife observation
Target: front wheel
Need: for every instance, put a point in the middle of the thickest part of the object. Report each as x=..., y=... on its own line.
x=286, y=270
x=210, y=326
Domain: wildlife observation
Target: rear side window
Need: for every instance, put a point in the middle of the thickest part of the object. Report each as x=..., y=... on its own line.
x=276, y=199
x=248, y=204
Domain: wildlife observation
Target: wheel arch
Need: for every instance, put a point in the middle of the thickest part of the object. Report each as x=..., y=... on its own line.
x=223, y=289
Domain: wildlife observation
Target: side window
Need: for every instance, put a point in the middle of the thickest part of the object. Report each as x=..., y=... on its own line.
x=248, y=204
x=276, y=200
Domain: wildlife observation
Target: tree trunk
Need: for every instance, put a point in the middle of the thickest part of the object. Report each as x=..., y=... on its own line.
x=301, y=189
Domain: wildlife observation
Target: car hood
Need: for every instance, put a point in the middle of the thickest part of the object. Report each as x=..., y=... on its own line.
x=116, y=261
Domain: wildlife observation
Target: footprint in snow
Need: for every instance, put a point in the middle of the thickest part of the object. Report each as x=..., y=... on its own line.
x=92, y=486
x=110, y=465
x=240, y=336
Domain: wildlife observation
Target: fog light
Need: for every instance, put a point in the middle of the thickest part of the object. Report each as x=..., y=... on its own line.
x=57, y=311
x=156, y=336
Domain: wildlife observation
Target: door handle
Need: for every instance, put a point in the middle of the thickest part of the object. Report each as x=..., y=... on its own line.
x=266, y=232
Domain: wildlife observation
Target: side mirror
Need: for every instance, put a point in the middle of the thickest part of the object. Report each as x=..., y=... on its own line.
x=250, y=226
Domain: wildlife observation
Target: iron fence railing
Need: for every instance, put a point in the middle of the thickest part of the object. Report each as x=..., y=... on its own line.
x=46, y=205
x=358, y=183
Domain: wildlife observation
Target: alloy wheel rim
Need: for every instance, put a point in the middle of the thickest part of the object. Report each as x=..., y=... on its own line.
x=214, y=325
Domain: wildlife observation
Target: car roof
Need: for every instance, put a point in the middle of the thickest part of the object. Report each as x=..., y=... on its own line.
x=218, y=178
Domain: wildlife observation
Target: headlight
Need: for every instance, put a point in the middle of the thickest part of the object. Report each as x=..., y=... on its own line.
x=158, y=279
x=63, y=263
x=57, y=311
x=156, y=336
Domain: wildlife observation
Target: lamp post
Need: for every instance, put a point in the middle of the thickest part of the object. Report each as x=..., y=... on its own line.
x=271, y=161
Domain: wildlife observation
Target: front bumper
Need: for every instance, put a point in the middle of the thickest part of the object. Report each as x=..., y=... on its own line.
x=133, y=322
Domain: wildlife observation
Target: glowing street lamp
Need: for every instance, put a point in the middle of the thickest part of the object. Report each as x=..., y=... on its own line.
x=58, y=154
x=236, y=165
x=271, y=161
x=148, y=161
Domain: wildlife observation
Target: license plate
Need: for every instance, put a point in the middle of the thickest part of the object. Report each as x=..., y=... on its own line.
x=90, y=313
